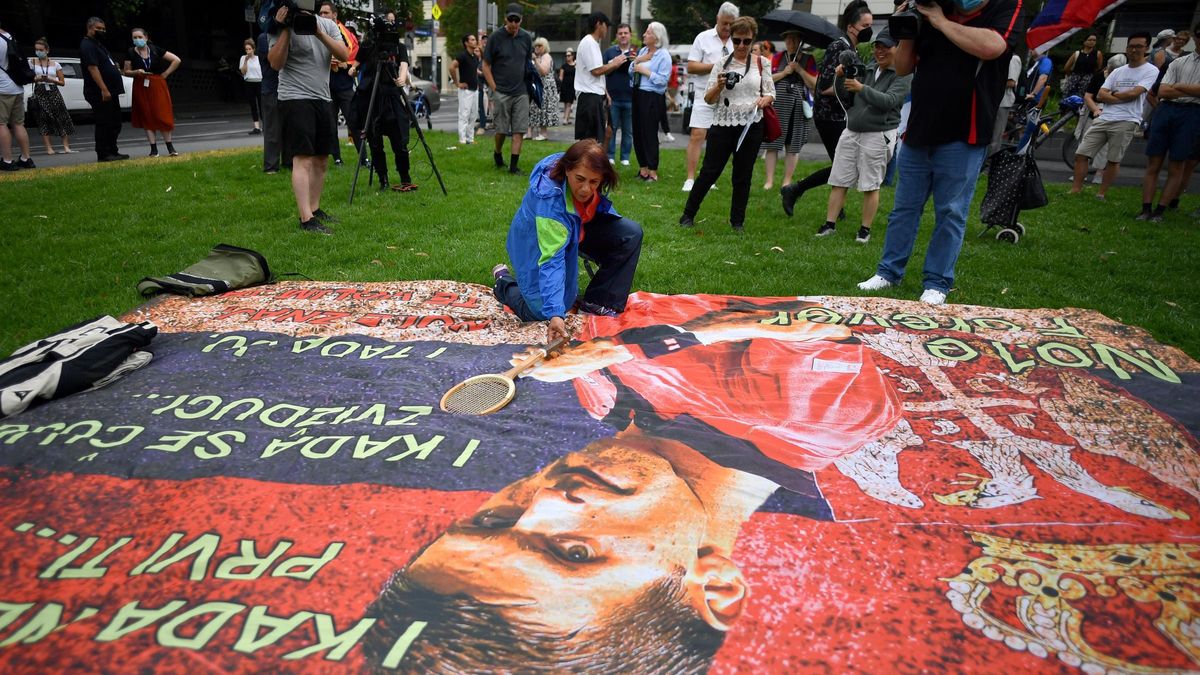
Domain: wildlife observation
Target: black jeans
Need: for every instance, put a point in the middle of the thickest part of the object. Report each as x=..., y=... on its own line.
x=254, y=98
x=590, y=117
x=396, y=132
x=342, y=100
x=108, y=124
x=648, y=107
x=720, y=147
x=615, y=244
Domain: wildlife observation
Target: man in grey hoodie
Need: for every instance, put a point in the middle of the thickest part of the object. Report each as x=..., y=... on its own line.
x=867, y=143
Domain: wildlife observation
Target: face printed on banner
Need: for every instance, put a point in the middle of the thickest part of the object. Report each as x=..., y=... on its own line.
x=561, y=548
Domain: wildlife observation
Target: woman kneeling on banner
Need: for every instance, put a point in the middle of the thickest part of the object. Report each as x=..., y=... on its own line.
x=565, y=214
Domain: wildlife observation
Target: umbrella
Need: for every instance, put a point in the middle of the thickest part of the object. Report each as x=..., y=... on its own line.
x=812, y=29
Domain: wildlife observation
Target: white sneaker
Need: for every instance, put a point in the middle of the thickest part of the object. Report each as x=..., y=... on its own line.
x=624, y=162
x=933, y=296
x=687, y=185
x=875, y=283
x=612, y=161
x=670, y=138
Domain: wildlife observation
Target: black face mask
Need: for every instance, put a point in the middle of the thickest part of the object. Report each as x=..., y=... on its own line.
x=99, y=34
x=864, y=35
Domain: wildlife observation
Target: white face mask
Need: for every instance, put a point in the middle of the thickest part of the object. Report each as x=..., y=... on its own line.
x=41, y=54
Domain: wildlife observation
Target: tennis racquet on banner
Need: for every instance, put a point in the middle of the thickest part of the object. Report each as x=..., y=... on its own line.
x=485, y=394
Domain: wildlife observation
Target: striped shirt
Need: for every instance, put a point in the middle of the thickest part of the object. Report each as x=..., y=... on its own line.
x=1184, y=70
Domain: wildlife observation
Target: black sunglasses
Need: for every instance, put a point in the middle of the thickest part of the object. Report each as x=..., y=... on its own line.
x=737, y=42
x=513, y=19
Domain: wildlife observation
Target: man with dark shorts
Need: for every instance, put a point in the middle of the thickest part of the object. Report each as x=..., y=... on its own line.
x=591, y=92
x=305, y=111
x=102, y=89
x=504, y=61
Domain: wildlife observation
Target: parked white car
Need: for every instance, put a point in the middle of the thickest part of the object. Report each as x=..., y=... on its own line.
x=72, y=91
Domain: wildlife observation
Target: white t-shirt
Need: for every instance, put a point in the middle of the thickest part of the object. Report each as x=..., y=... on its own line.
x=708, y=48
x=253, y=69
x=1124, y=79
x=1014, y=74
x=587, y=57
x=7, y=86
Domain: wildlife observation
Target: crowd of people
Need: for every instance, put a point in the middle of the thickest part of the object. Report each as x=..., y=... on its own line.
x=924, y=110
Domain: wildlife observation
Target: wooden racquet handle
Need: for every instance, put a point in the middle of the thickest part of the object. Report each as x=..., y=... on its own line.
x=534, y=359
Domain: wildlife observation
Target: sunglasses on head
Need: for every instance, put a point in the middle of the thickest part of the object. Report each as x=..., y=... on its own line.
x=737, y=42
x=514, y=19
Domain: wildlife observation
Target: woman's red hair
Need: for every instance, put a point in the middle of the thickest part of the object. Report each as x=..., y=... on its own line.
x=591, y=154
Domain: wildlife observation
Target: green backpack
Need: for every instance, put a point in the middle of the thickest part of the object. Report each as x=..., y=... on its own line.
x=226, y=268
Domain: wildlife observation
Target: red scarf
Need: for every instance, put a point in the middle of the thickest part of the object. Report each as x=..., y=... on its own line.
x=586, y=210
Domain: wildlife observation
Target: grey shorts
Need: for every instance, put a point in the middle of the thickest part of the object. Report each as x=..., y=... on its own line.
x=861, y=159
x=512, y=113
x=1117, y=134
x=12, y=108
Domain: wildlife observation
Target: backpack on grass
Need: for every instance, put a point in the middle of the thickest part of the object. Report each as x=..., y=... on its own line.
x=226, y=268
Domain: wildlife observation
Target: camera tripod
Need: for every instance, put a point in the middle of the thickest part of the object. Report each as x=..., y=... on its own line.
x=370, y=119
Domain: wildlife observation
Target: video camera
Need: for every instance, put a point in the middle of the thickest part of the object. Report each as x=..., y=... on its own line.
x=301, y=16
x=383, y=36
x=852, y=67
x=732, y=77
x=906, y=23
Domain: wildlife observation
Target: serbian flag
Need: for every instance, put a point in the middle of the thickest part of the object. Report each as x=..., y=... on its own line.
x=1060, y=18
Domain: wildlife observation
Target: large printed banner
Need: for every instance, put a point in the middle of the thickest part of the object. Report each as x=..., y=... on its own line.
x=705, y=483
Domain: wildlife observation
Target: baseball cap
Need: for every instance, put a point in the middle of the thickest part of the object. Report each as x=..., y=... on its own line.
x=1165, y=33
x=885, y=38
x=514, y=9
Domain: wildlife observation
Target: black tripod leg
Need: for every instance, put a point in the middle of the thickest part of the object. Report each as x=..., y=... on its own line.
x=362, y=142
x=421, y=137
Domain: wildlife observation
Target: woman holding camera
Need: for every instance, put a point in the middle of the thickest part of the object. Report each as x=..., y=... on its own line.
x=650, y=72
x=738, y=90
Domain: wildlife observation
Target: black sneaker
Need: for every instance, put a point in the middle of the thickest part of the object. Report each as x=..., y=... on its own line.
x=11, y=166
x=338, y=162
x=320, y=215
x=498, y=159
x=686, y=221
x=593, y=308
x=738, y=228
x=1156, y=217
x=1143, y=215
x=315, y=225
x=26, y=163
x=500, y=270
x=863, y=236
x=254, y=132
x=515, y=171
x=121, y=155
x=826, y=230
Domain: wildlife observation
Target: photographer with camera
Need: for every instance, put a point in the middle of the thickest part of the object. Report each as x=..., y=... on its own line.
x=829, y=116
x=738, y=89
x=382, y=52
x=876, y=94
x=958, y=56
x=304, y=104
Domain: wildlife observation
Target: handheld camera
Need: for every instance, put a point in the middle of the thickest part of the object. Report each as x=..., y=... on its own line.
x=906, y=22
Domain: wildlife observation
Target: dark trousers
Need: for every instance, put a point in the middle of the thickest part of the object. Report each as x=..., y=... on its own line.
x=647, y=109
x=341, y=100
x=717, y=150
x=590, y=117
x=272, y=134
x=254, y=96
x=108, y=124
x=614, y=244
x=397, y=134
x=829, y=132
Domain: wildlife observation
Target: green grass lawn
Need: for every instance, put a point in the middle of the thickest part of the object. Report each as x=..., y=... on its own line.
x=77, y=240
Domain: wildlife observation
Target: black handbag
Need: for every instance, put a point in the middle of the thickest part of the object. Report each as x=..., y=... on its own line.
x=533, y=84
x=1033, y=192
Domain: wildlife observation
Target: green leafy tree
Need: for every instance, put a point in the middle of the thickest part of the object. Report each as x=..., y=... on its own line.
x=685, y=19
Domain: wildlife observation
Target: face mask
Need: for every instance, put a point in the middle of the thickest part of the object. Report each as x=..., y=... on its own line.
x=41, y=54
x=968, y=6
x=139, y=43
x=864, y=35
x=99, y=33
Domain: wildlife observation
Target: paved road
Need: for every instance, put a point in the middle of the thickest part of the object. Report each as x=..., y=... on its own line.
x=219, y=127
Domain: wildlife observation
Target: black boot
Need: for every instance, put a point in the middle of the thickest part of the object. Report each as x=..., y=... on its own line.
x=383, y=182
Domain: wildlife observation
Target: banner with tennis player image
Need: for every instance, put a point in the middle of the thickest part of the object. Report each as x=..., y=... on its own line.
x=702, y=484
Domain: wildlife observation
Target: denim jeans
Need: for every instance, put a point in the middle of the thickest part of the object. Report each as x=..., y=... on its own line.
x=948, y=173
x=621, y=114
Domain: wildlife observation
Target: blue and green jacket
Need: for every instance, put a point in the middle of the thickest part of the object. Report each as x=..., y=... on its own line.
x=543, y=242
